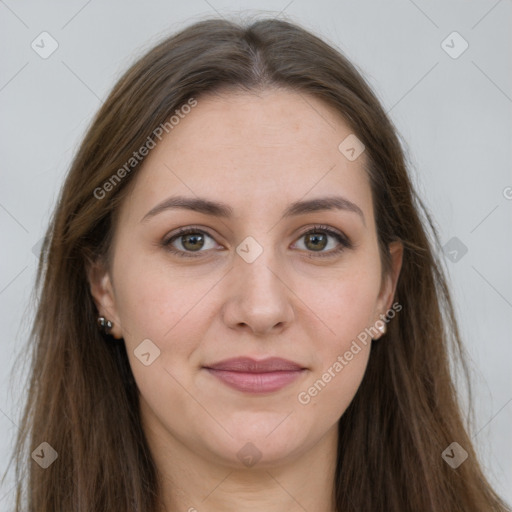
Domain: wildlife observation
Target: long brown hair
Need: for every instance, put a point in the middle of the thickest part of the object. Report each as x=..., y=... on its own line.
x=82, y=397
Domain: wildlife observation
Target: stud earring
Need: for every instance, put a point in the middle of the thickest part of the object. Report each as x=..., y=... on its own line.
x=104, y=324
x=382, y=328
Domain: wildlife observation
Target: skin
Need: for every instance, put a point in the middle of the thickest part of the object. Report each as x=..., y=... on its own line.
x=258, y=152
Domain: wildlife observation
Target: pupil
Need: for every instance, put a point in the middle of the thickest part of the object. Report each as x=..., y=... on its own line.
x=192, y=239
x=315, y=240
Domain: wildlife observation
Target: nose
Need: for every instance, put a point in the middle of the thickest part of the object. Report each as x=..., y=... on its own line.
x=259, y=300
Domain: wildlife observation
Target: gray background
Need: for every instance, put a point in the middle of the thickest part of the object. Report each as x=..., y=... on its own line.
x=453, y=113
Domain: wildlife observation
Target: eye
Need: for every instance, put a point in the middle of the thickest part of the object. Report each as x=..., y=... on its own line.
x=317, y=239
x=190, y=240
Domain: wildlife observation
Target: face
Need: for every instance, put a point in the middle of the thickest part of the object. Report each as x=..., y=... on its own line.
x=269, y=274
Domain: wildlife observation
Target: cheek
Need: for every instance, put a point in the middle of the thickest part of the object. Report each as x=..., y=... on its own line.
x=329, y=393
x=171, y=310
x=347, y=305
x=341, y=359
x=151, y=297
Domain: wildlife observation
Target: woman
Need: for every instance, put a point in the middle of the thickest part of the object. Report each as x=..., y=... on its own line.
x=240, y=308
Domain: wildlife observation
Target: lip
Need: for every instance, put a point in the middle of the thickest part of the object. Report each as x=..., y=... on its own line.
x=256, y=376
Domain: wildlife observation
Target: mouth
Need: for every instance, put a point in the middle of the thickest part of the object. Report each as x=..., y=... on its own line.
x=252, y=376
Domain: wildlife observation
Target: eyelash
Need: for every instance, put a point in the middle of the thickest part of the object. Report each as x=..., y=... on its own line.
x=344, y=241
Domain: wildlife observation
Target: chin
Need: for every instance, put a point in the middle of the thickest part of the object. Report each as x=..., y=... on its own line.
x=264, y=444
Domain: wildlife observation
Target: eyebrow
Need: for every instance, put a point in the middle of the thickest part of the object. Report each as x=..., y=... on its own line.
x=218, y=209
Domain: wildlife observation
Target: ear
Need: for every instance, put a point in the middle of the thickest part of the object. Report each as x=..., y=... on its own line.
x=102, y=291
x=390, y=280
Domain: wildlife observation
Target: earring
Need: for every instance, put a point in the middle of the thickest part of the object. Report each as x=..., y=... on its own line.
x=382, y=328
x=104, y=324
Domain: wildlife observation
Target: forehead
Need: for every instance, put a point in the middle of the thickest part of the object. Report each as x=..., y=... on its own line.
x=254, y=149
